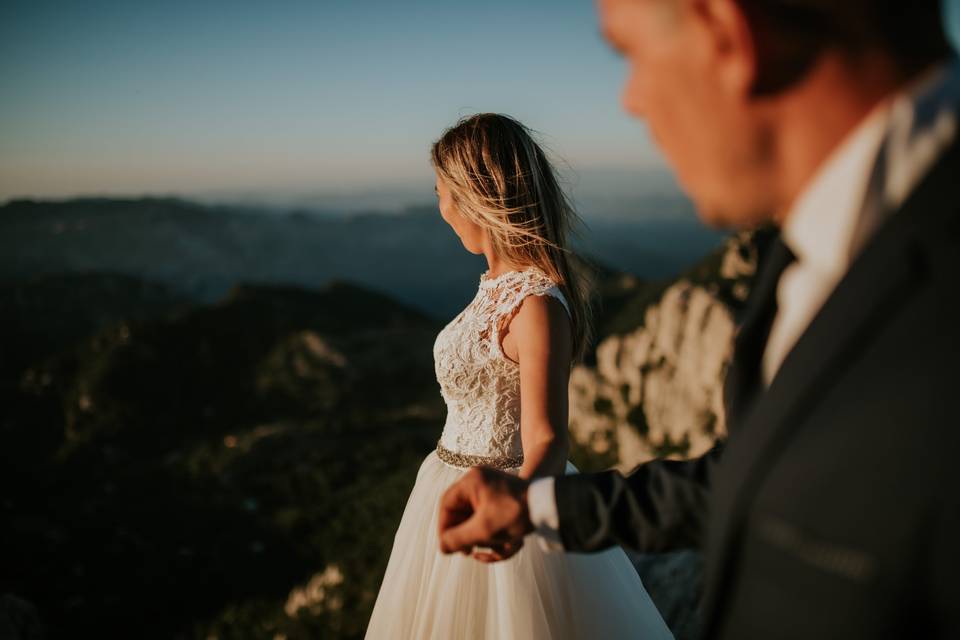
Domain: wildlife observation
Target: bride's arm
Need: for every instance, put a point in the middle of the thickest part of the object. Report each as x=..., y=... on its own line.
x=542, y=337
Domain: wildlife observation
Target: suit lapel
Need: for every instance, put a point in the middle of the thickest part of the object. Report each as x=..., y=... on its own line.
x=870, y=291
x=879, y=281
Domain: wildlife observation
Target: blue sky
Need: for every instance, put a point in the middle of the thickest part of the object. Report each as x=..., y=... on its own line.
x=104, y=97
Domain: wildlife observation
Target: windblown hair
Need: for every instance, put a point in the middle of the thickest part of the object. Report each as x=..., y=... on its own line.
x=500, y=179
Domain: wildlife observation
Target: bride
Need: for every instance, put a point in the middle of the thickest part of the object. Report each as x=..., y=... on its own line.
x=503, y=366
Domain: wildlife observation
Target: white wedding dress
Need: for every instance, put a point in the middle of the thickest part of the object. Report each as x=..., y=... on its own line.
x=536, y=594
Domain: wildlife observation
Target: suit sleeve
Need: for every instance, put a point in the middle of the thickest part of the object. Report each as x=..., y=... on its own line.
x=660, y=506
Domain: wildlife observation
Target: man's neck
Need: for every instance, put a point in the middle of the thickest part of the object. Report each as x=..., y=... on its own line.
x=808, y=131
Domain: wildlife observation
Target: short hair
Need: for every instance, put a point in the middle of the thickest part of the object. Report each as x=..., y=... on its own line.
x=793, y=33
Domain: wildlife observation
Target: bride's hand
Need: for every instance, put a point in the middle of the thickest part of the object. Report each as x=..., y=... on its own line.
x=486, y=507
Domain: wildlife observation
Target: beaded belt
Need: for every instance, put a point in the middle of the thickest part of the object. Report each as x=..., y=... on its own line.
x=466, y=461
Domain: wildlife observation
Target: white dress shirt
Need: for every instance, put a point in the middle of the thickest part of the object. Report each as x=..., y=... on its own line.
x=830, y=222
x=819, y=230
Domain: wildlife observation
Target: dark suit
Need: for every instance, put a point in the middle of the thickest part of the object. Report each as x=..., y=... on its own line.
x=832, y=509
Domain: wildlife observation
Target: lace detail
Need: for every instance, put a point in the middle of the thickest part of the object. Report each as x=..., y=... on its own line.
x=478, y=382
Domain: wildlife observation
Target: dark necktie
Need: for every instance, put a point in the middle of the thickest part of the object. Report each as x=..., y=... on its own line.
x=744, y=381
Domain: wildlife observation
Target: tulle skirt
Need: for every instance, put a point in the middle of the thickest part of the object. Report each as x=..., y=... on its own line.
x=536, y=594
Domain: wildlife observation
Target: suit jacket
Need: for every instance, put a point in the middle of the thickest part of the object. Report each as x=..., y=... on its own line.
x=832, y=510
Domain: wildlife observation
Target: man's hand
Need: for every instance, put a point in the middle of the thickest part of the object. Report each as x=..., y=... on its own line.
x=488, y=508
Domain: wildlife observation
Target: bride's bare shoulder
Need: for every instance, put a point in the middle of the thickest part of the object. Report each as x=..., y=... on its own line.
x=540, y=327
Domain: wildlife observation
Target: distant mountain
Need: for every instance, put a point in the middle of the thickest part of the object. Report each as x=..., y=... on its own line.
x=188, y=471
x=46, y=313
x=201, y=251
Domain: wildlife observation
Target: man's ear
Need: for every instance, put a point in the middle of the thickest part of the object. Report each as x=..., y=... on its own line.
x=732, y=44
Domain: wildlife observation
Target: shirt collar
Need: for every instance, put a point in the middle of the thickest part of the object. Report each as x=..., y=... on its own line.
x=917, y=123
x=822, y=220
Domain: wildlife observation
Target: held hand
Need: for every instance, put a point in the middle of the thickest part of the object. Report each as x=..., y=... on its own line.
x=487, y=508
x=497, y=552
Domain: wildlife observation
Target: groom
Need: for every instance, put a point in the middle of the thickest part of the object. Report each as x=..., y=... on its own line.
x=833, y=508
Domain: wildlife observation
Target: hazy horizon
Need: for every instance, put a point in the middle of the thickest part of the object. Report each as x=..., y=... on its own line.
x=597, y=194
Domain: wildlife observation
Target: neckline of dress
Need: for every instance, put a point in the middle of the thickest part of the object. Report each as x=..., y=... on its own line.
x=486, y=281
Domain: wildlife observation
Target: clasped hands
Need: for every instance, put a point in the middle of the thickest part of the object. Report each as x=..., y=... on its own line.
x=485, y=508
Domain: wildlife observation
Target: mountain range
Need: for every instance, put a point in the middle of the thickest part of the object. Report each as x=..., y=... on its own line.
x=210, y=430
x=202, y=250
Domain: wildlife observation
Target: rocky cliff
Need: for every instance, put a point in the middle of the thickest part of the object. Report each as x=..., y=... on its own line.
x=656, y=389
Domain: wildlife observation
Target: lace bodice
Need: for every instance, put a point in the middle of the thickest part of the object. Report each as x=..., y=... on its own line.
x=478, y=382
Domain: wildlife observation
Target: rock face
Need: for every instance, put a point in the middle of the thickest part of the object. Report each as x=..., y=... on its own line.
x=657, y=390
x=654, y=391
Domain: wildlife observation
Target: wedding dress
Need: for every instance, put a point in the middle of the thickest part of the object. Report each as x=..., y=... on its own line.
x=537, y=593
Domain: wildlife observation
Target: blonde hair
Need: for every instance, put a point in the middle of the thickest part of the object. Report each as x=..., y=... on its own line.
x=500, y=179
